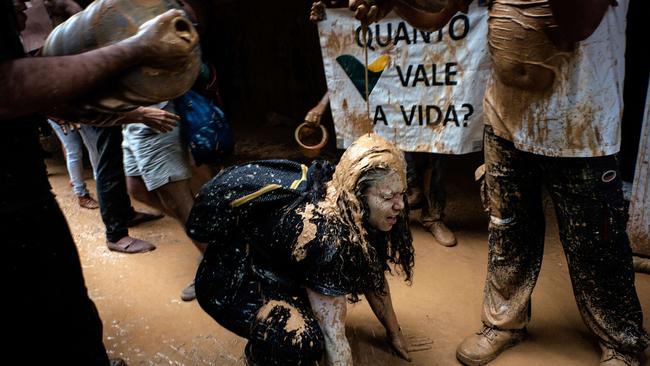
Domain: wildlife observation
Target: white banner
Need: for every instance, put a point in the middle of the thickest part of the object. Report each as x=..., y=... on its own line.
x=425, y=88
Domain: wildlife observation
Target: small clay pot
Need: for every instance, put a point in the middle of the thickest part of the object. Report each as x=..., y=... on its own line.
x=311, y=138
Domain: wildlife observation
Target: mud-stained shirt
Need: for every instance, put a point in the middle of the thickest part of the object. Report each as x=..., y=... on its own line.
x=552, y=102
x=263, y=204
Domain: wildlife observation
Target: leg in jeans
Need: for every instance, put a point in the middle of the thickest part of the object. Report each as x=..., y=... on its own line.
x=275, y=340
x=434, y=199
x=435, y=195
x=515, y=233
x=238, y=300
x=73, y=157
x=89, y=137
x=114, y=202
x=592, y=220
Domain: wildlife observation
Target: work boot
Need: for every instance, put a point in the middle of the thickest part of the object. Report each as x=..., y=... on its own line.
x=441, y=233
x=612, y=357
x=484, y=346
x=188, y=293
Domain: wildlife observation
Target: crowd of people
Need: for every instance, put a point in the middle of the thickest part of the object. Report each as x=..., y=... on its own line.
x=286, y=246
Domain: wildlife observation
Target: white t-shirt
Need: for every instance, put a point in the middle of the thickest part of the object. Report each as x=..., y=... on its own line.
x=579, y=114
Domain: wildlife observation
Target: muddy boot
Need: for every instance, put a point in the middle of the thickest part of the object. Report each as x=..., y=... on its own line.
x=612, y=357
x=188, y=293
x=484, y=346
x=440, y=232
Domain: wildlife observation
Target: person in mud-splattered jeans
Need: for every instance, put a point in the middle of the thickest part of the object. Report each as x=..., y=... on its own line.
x=553, y=109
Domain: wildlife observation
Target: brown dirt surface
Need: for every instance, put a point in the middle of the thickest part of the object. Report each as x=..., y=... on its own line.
x=146, y=323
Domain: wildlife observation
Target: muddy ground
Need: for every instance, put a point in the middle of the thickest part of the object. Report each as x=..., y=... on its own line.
x=146, y=323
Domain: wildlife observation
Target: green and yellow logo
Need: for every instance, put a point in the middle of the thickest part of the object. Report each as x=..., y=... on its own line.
x=355, y=70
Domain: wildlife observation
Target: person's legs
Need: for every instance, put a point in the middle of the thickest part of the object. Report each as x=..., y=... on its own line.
x=592, y=219
x=285, y=331
x=115, y=205
x=177, y=200
x=89, y=137
x=48, y=296
x=516, y=243
x=72, y=145
x=114, y=202
x=138, y=190
x=434, y=200
x=160, y=173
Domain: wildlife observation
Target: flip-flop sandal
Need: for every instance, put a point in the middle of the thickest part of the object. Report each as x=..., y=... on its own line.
x=141, y=217
x=130, y=245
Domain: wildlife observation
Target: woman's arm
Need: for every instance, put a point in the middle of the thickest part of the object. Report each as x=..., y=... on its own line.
x=330, y=312
x=382, y=305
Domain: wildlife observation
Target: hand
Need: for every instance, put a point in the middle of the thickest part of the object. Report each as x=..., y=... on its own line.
x=158, y=119
x=370, y=11
x=167, y=38
x=313, y=117
x=403, y=345
x=63, y=8
x=317, y=11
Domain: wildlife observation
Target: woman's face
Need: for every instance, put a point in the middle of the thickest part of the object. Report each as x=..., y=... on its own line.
x=385, y=200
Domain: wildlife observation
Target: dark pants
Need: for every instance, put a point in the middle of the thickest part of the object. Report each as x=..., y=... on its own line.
x=589, y=206
x=425, y=171
x=49, y=317
x=114, y=202
x=278, y=323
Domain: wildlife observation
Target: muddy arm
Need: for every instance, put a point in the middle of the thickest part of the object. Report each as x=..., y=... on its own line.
x=382, y=306
x=37, y=84
x=578, y=19
x=330, y=312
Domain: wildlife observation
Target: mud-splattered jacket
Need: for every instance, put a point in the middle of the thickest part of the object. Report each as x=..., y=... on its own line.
x=262, y=205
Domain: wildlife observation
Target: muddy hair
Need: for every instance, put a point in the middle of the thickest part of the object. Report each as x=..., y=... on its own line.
x=396, y=247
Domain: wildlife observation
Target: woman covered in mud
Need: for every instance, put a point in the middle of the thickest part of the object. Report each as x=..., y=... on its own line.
x=289, y=244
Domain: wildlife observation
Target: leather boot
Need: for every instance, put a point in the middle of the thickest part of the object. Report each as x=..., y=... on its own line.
x=441, y=233
x=484, y=346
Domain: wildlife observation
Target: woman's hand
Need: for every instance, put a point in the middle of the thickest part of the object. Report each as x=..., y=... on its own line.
x=402, y=345
x=158, y=119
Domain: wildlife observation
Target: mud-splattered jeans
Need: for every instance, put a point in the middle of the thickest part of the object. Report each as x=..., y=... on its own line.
x=278, y=323
x=589, y=206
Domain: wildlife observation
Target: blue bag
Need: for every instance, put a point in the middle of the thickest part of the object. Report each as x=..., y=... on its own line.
x=205, y=128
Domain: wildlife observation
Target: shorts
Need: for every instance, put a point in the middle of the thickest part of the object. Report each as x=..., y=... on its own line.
x=159, y=158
